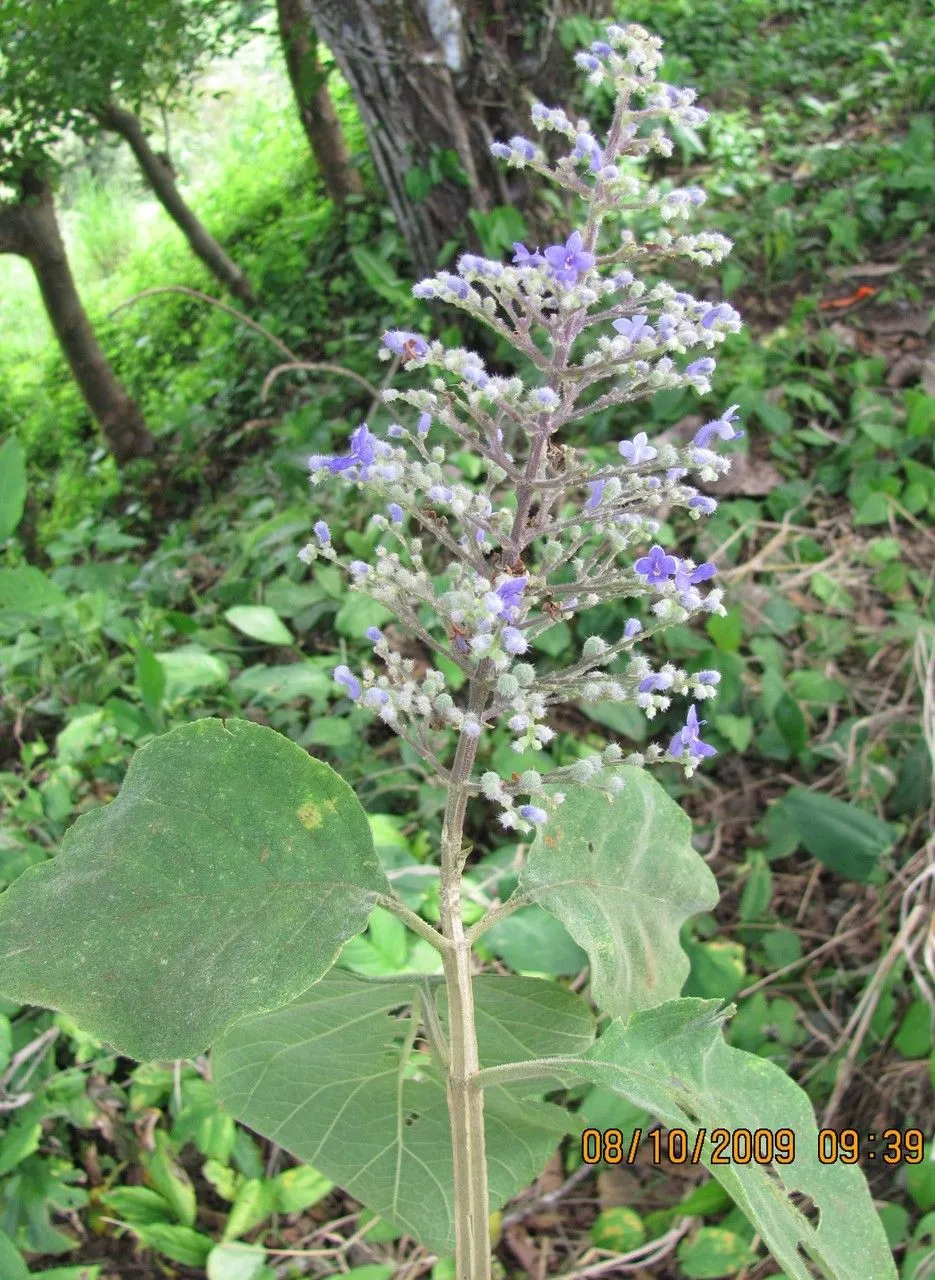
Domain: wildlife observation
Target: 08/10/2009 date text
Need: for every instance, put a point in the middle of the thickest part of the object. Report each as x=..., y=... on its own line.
x=759, y=1146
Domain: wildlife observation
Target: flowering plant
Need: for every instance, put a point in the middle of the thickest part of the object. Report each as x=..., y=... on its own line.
x=233, y=866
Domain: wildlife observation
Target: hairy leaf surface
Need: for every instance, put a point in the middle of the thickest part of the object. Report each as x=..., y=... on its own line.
x=674, y=1061
x=336, y=1079
x=622, y=877
x=221, y=882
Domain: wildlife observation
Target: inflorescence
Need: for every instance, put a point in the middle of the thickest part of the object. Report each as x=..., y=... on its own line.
x=545, y=534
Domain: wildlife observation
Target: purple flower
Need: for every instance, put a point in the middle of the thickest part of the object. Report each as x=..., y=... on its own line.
x=322, y=532
x=359, y=568
x=708, y=677
x=596, y=488
x=684, y=579
x=700, y=368
x=511, y=595
x=532, y=813
x=343, y=676
x=376, y=698
x=403, y=343
x=721, y=312
x=687, y=739
x=655, y=682
x=632, y=628
x=440, y=493
x=602, y=48
x=676, y=473
x=637, y=450
x=514, y=641
x=569, y=260
x=587, y=149
x=622, y=279
x=457, y=286
x=704, y=504
x=657, y=566
x=500, y=150
x=523, y=258
x=395, y=431
x=587, y=61
x=374, y=635
x=635, y=328
x=523, y=146
x=425, y=421
x=395, y=512
x=362, y=453
x=721, y=427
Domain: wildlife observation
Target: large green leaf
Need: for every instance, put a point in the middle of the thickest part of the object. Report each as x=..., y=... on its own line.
x=12, y=486
x=673, y=1060
x=26, y=591
x=221, y=882
x=849, y=840
x=259, y=622
x=622, y=877
x=334, y=1079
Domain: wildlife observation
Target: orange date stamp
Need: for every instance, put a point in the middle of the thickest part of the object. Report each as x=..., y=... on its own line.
x=714, y=1146
x=750, y=1146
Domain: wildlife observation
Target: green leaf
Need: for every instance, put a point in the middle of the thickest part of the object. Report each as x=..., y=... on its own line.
x=849, y=840
x=758, y=888
x=236, y=1262
x=137, y=1206
x=381, y=277
x=738, y=730
x=674, y=1061
x=254, y=1202
x=181, y=1244
x=622, y=877
x=27, y=591
x=346, y=1091
x=618, y=1228
x=259, y=622
x=170, y=1180
x=83, y=1271
x=791, y=723
x=717, y=968
x=875, y=509
x=920, y=1180
x=533, y=941
x=150, y=677
x=12, y=1266
x=726, y=632
x=300, y=1188
x=189, y=669
x=554, y=641
x=914, y=1037
x=145, y=927
x=713, y=1252
x=622, y=717
x=278, y=685
x=12, y=486
x=357, y=613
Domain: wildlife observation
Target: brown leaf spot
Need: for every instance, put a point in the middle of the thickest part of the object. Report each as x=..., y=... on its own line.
x=310, y=815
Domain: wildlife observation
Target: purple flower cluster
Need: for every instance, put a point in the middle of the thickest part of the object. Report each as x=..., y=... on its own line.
x=539, y=532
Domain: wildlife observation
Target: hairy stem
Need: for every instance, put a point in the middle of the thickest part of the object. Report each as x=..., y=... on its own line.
x=465, y=1100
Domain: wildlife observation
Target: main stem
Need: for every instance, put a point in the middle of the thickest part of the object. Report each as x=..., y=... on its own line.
x=465, y=1098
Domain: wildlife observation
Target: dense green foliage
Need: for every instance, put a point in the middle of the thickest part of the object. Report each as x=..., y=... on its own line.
x=132, y=604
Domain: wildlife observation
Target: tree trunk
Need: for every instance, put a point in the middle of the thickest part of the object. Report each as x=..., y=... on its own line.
x=30, y=229
x=433, y=76
x=316, y=110
x=159, y=174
